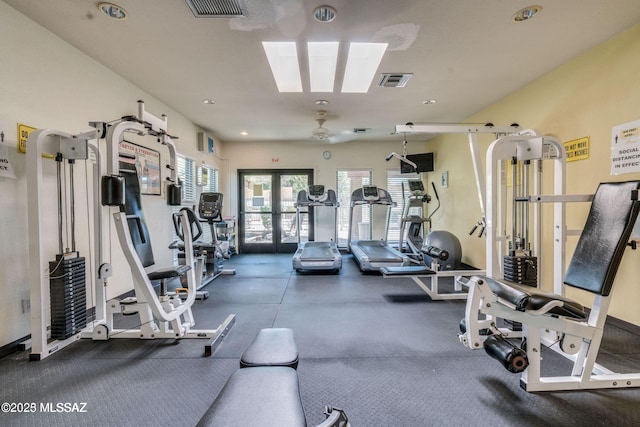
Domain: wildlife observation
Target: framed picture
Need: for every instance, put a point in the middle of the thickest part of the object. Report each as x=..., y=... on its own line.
x=147, y=163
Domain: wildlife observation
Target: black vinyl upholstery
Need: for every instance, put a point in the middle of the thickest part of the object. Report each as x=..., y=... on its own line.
x=596, y=259
x=271, y=347
x=259, y=396
x=138, y=227
x=604, y=238
x=135, y=216
x=526, y=298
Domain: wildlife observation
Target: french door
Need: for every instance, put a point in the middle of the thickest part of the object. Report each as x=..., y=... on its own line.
x=267, y=219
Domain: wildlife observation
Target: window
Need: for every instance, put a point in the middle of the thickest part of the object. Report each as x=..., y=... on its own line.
x=346, y=182
x=186, y=176
x=208, y=179
x=185, y=169
x=395, y=179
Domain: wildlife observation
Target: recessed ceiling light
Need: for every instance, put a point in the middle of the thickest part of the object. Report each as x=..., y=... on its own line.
x=244, y=133
x=322, y=102
x=526, y=13
x=324, y=13
x=429, y=101
x=113, y=10
x=208, y=101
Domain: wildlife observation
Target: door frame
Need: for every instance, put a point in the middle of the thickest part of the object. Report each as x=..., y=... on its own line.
x=276, y=246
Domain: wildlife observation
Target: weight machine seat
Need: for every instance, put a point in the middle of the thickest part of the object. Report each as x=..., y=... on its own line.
x=167, y=273
x=411, y=270
x=271, y=347
x=526, y=298
x=264, y=396
x=598, y=254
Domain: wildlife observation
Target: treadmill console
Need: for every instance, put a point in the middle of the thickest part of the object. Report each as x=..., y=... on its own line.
x=316, y=193
x=416, y=187
x=370, y=193
x=210, y=206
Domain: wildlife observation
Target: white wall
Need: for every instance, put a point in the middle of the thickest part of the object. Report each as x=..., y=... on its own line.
x=361, y=155
x=46, y=83
x=585, y=97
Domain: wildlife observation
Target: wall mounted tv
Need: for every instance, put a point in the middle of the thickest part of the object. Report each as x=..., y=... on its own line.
x=424, y=161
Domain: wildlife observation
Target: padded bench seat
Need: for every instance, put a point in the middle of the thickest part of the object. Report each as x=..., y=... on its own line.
x=271, y=347
x=259, y=396
x=526, y=298
x=410, y=270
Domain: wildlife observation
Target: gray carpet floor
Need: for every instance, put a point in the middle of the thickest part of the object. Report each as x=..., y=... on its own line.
x=376, y=347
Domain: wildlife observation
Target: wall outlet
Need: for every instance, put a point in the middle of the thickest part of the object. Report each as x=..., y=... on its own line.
x=26, y=305
x=445, y=179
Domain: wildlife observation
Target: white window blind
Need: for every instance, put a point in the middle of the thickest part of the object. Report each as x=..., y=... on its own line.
x=395, y=179
x=346, y=182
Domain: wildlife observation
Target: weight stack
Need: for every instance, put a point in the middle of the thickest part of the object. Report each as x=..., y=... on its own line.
x=521, y=269
x=68, y=290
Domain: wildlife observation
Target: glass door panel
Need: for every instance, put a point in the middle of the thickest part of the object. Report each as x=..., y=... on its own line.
x=267, y=220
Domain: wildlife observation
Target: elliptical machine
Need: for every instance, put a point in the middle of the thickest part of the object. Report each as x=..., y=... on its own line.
x=209, y=255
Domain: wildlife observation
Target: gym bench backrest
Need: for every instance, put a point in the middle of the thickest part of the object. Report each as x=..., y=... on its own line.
x=135, y=216
x=611, y=219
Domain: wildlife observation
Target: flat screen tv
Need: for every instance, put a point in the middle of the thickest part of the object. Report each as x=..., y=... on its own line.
x=424, y=161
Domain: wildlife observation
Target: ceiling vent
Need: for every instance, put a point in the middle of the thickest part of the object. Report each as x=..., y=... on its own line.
x=361, y=130
x=216, y=8
x=394, y=79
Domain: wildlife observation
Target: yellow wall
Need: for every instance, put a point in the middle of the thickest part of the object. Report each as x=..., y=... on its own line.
x=585, y=97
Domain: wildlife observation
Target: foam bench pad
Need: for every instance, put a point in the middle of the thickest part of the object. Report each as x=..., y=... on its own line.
x=258, y=396
x=271, y=347
x=407, y=271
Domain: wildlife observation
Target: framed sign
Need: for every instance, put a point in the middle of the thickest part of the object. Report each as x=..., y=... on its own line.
x=147, y=163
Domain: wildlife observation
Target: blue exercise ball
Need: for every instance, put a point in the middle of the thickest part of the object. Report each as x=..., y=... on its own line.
x=448, y=242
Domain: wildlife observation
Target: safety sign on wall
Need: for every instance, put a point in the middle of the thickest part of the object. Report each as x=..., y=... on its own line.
x=23, y=134
x=6, y=170
x=625, y=148
x=578, y=149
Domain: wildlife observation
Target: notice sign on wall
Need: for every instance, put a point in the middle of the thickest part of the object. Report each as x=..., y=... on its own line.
x=23, y=134
x=578, y=149
x=625, y=148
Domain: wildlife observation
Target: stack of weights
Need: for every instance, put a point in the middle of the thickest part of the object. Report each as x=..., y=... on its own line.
x=67, y=283
x=520, y=268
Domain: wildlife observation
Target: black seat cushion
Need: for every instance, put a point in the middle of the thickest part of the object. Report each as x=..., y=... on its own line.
x=261, y=396
x=167, y=273
x=526, y=298
x=271, y=347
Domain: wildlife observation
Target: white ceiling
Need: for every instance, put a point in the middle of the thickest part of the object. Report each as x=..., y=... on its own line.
x=467, y=54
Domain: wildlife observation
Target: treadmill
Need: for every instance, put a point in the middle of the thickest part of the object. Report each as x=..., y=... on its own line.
x=317, y=255
x=372, y=255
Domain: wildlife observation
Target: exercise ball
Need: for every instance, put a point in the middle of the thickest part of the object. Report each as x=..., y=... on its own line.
x=448, y=242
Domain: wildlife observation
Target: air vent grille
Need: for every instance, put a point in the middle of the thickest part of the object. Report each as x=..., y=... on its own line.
x=394, y=79
x=216, y=8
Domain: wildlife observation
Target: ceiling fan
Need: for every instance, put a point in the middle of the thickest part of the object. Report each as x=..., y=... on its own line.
x=323, y=134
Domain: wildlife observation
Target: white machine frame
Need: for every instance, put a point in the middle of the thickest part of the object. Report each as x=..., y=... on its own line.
x=419, y=274
x=44, y=142
x=575, y=339
x=173, y=315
